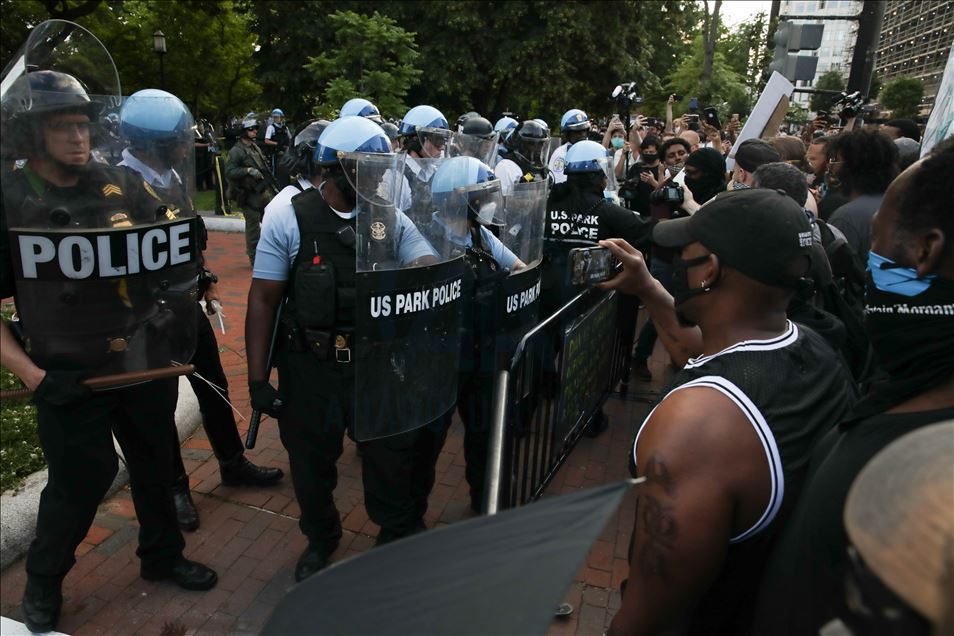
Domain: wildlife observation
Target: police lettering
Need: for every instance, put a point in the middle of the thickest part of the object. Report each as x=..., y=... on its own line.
x=573, y=225
x=525, y=298
x=414, y=301
x=106, y=254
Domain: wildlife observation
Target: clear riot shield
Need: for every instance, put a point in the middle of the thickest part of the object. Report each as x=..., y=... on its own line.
x=482, y=148
x=406, y=344
x=521, y=231
x=105, y=276
x=415, y=200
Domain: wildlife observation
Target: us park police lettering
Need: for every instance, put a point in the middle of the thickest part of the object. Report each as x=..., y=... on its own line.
x=73, y=254
x=525, y=298
x=402, y=303
x=572, y=225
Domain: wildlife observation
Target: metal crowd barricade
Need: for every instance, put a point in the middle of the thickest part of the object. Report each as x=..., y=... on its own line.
x=558, y=379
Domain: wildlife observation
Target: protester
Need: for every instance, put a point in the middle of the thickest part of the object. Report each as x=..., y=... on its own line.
x=725, y=450
x=908, y=152
x=901, y=128
x=898, y=517
x=751, y=154
x=816, y=157
x=909, y=313
x=861, y=165
x=790, y=150
x=644, y=175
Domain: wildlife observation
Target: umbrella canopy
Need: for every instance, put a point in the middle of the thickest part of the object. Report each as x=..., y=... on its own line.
x=502, y=574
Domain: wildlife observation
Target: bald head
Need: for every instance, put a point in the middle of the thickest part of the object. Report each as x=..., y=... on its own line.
x=692, y=137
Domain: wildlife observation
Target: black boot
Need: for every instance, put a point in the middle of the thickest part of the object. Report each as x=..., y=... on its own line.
x=241, y=472
x=41, y=605
x=186, y=514
x=189, y=575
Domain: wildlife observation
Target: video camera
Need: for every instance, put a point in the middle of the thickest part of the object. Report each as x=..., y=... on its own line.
x=671, y=194
x=850, y=105
x=625, y=96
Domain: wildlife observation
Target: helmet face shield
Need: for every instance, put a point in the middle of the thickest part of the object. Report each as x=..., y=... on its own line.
x=483, y=202
x=434, y=141
x=482, y=147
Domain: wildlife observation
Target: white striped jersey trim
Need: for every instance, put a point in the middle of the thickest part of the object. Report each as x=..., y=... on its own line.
x=786, y=338
x=752, y=413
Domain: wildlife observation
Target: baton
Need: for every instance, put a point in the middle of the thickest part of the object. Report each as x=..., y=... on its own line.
x=114, y=381
x=256, y=419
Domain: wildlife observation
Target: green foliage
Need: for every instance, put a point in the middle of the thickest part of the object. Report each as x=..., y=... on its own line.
x=830, y=80
x=902, y=96
x=370, y=57
x=745, y=50
x=20, y=453
x=208, y=64
x=726, y=91
x=796, y=114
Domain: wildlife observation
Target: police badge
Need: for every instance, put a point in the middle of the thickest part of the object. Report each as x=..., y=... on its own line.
x=378, y=231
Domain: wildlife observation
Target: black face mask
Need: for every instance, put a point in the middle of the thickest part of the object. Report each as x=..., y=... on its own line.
x=912, y=336
x=649, y=159
x=680, y=284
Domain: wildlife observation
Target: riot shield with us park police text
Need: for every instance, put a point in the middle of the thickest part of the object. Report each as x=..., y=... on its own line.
x=406, y=342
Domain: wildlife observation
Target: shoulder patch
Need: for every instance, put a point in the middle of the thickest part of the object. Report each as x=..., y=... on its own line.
x=148, y=188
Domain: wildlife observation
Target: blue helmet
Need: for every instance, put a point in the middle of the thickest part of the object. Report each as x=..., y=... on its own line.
x=362, y=108
x=462, y=176
x=152, y=115
x=574, y=119
x=585, y=156
x=350, y=134
x=278, y=113
x=422, y=117
x=505, y=123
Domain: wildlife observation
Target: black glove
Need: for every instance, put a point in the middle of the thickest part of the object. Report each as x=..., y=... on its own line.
x=62, y=387
x=265, y=398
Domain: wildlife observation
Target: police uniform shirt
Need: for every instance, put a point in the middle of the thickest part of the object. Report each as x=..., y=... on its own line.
x=557, y=163
x=509, y=173
x=424, y=172
x=163, y=180
x=501, y=253
x=280, y=239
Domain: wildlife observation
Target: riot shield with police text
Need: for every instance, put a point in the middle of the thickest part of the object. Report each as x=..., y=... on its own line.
x=406, y=343
x=521, y=231
x=105, y=272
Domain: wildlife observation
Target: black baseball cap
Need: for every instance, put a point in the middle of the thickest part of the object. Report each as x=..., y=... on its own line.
x=753, y=153
x=758, y=232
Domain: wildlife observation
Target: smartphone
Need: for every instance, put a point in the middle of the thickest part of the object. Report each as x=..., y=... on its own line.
x=694, y=104
x=591, y=265
x=712, y=117
x=676, y=97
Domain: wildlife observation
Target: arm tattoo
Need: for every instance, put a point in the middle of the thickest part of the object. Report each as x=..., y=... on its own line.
x=659, y=526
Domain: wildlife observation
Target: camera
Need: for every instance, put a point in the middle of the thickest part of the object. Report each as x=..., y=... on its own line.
x=671, y=194
x=850, y=105
x=626, y=95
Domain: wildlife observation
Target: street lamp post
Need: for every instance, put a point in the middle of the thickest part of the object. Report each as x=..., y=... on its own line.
x=159, y=46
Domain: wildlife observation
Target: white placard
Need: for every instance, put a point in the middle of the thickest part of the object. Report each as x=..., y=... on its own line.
x=777, y=88
x=941, y=122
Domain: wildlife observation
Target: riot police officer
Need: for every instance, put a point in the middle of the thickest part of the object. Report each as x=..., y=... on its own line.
x=277, y=138
x=475, y=138
x=308, y=252
x=574, y=127
x=158, y=128
x=503, y=128
x=424, y=134
x=467, y=197
x=248, y=173
x=82, y=318
x=527, y=160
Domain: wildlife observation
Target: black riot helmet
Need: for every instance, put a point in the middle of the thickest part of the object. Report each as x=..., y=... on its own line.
x=37, y=95
x=463, y=118
x=299, y=159
x=531, y=141
x=478, y=127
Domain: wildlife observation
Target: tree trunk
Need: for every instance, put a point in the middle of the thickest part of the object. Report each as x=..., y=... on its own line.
x=710, y=33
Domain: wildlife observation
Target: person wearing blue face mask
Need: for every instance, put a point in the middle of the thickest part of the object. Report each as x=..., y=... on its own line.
x=909, y=310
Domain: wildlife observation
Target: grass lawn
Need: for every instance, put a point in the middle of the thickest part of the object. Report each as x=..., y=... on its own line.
x=204, y=200
x=20, y=453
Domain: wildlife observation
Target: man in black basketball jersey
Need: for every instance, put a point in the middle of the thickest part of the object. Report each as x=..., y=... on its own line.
x=725, y=450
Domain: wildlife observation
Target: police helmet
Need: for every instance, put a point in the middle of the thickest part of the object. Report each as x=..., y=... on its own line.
x=505, y=123
x=465, y=117
x=391, y=130
x=543, y=123
x=360, y=107
x=574, y=119
x=528, y=141
x=152, y=115
x=585, y=156
x=463, y=176
x=308, y=136
x=478, y=127
x=249, y=123
x=42, y=92
x=300, y=160
x=422, y=117
x=350, y=134
x=278, y=113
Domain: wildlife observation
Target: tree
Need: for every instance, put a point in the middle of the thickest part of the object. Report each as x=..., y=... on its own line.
x=830, y=80
x=902, y=96
x=725, y=90
x=371, y=57
x=208, y=64
x=710, y=36
x=746, y=52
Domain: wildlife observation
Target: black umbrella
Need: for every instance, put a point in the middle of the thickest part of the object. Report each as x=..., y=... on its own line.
x=502, y=574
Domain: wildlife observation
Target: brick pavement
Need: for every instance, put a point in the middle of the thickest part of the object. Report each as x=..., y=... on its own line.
x=251, y=537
